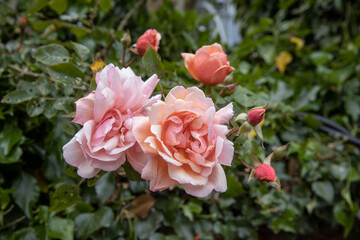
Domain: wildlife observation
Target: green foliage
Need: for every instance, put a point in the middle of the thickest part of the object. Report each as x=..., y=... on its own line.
x=45, y=68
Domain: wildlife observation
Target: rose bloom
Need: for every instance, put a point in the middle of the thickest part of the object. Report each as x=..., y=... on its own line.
x=106, y=116
x=150, y=38
x=185, y=142
x=265, y=172
x=208, y=65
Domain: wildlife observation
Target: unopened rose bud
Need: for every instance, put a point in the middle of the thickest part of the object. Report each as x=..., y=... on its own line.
x=280, y=152
x=22, y=21
x=126, y=39
x=265, y=172
x=255, y=116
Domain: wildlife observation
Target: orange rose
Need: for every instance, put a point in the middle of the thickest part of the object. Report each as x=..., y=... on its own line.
x=208, y=65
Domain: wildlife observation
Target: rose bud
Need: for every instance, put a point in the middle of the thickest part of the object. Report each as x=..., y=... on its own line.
x=22, y=21
x=151, y=38
x=265, y=172
x=208, y=65
x=255, y=116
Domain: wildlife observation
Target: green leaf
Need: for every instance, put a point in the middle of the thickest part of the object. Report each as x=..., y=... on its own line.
x=61, y=228
x=267, y=52
x=105, y=5
x=244, y=97
x=65, y=197
x=344, y=216
x=9, y=136
x=35, y=107
x=81, y=50
x=66, y=73
x=324, y=190
x=105, y=186
x=26, y=192
x=36, y=6
x=320, y=58
x=24, y=234
x=52, y=54
x=284, y=222
x=87, y=223
x=152, y=63
x=235, y=188
x=59, y=6
x=68, y=128
x=17, y=96
x=130, y=172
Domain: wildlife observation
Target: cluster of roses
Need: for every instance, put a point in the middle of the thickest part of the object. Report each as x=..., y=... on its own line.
x=181, y=140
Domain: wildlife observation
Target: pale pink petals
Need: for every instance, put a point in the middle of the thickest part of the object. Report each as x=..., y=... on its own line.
x=186, y=142
x=107, y=115
x=216, y=181
x=224, y=114
x=84, y=109
x=157, y=172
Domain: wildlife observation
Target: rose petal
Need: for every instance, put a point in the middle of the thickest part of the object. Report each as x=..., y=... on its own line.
x=157, y=172
x=84, y=109
x=190, y=63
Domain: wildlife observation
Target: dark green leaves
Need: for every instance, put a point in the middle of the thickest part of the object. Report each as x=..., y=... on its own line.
x=65, y=197
x=61, y=228
x=59, y=6
x=81, y=50
x=17, y=96
x=344, y=216
x=66, y=73
x=320, y=58
x=87, y=223
x=152, y=63
x=324, y=190
x=26, y=192
x=52, y=54
x=9, y=138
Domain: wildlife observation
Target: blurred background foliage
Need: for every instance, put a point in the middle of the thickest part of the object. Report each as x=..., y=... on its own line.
x=298, y=56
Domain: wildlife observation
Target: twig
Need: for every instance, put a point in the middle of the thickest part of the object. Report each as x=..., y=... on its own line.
x=232, y=131
x=13, y=222
x=131, y=61
x=245, y=164
x=129, y=14
x=31, y=74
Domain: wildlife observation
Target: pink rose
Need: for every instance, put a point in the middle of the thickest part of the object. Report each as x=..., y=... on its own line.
x=265, y=172
x=185, y=143
x=150, y=38
x=209, y=65
x=106, y=116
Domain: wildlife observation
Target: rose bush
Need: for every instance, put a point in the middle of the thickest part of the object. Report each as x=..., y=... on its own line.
x=106, y=116
x=208, y=65
x=185, y=141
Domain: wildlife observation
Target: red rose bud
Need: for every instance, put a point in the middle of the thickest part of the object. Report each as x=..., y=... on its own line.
x=22, y=21
x=151, y=38
x=255, y=116
x=265, y=172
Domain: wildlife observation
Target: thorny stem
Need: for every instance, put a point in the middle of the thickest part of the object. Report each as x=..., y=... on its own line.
x=232, y=131
x=131, y=61
x=245, y=164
